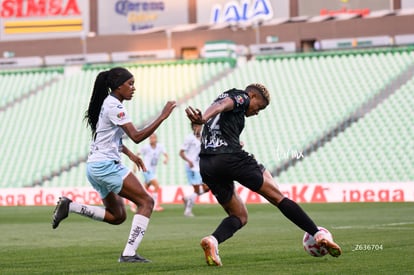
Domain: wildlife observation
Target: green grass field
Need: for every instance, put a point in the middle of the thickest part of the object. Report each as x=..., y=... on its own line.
x=268, y=244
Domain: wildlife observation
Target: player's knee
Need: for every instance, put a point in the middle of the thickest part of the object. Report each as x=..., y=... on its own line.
x=147, y=202
x=240, y=213
x=242, y=218
x=150, y=202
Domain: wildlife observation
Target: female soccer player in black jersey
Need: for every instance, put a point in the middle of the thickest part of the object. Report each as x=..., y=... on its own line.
x=223, y=161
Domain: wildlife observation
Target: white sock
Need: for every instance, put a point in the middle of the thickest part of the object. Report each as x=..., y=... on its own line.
x=138, y=228
x=155, y=197
x=191, y=201
x=93, y=212
x=193, y=197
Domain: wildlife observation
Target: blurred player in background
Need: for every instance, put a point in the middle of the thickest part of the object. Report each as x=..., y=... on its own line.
x=151, y=153
x=222, y=161
x=109, y=120
x=190, y=154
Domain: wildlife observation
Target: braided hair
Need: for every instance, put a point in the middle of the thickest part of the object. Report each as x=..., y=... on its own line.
x=105, y=83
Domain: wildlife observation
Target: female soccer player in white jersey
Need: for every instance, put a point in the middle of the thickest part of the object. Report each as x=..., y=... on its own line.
x=189, y=152
x=109, y=120
x=151, y=153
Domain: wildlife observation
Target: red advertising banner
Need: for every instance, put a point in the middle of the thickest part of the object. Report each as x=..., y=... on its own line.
x=22, y=20
x=301, y=193
x=335, y=7
x=19, y=8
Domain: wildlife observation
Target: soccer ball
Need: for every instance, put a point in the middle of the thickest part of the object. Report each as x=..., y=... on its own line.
x=310, y=246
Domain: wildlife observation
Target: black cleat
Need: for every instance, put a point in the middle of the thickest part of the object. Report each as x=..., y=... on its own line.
x=61, y=211
x=133, y=259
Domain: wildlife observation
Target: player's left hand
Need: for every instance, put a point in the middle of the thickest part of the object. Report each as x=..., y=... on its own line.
x=140, y=164
x=194, y=115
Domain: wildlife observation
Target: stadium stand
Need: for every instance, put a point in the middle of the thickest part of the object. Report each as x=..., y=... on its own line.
x=19, y=84
x=311, y=95
x=315, y=93
x=377, y=148
x=51, y=132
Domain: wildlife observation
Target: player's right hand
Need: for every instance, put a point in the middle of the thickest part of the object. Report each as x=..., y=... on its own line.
x=168, y=108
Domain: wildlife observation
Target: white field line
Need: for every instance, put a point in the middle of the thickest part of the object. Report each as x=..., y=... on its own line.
x=395, y=225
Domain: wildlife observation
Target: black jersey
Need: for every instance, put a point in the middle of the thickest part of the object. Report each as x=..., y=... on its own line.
x=221, y=133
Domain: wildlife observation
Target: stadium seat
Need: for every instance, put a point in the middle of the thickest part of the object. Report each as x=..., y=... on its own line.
x=310, y=93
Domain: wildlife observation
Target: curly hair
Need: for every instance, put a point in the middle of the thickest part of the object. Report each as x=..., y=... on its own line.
x=261, y=89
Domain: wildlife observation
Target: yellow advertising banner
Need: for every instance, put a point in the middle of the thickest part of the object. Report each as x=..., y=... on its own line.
x=60, y=25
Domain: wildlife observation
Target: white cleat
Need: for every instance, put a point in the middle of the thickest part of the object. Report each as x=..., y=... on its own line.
x=188, y=214
x=211, y=252
x=333, y=249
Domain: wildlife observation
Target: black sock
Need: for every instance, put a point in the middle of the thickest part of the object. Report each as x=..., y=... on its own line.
x=227, y=228
x=296, y=214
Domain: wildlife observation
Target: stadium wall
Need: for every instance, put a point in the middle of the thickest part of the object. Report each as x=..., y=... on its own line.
x=296, y=31
x=301, y=193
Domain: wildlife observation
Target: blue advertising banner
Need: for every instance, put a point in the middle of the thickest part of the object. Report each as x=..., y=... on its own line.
x=240, y=11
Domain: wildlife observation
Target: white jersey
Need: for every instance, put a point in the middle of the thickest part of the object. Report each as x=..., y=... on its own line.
x=107, y=143
x=151, y=155
x=191, y=147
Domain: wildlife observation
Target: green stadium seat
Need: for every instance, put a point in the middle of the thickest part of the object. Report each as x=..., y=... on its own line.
x=310, y=95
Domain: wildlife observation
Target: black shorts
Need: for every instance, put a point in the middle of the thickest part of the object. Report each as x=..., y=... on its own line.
x=220, y=171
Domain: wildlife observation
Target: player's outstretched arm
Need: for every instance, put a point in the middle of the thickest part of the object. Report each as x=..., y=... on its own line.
x=196, y=116
x=139, y=135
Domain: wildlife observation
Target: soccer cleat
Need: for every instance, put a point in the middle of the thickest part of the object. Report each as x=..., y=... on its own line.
x=188, y=214
x=333, y=249
x=133, y=259
x=158, y=208
x=211, y=252
x=61, y=211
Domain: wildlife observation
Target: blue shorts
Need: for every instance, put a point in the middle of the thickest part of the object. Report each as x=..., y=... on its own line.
x=149, y=176
x=194, y=178
x=106, y=176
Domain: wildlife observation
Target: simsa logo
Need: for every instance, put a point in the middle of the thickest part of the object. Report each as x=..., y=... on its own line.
x=35, y=8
